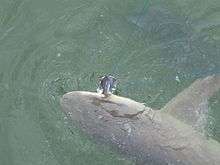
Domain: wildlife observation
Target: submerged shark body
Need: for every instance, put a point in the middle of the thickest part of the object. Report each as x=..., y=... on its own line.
x=145, y=135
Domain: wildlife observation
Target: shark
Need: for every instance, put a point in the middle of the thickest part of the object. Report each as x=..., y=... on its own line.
x=145, y=135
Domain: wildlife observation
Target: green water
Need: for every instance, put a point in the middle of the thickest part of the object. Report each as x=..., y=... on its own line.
x=49, y=47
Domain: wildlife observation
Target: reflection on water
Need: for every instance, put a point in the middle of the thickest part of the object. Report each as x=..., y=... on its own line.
x=51, y=47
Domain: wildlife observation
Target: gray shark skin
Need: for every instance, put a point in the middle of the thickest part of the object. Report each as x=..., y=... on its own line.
x=192, y=103
x=142, y=134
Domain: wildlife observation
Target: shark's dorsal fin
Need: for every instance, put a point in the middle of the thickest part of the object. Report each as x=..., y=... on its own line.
x=192, y=103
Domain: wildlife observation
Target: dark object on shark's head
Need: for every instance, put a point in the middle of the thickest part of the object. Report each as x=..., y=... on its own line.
x=107, y=84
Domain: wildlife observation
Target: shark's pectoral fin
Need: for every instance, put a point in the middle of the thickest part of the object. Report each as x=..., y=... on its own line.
x=191, y=104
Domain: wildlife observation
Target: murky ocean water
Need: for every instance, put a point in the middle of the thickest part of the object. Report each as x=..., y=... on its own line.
x=49, y=47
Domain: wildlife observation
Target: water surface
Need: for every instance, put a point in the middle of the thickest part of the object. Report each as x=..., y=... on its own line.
x=50, y=47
